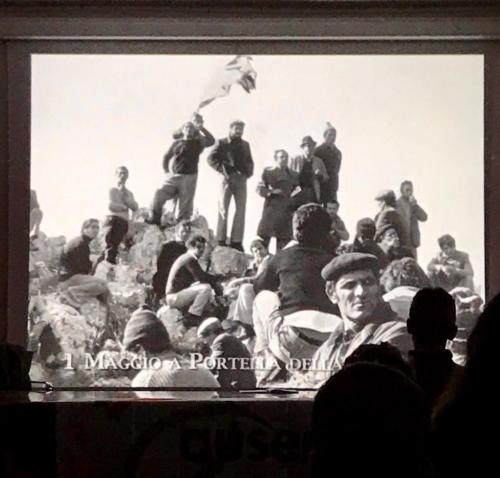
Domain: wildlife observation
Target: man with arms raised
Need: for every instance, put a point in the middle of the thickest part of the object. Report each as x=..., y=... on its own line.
x=352, y=284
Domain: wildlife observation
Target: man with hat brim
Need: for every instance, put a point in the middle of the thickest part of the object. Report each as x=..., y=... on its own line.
x=312, y=173
x=352, y=284
x=229, y=358
x=332, y=158
x=388, y=214
x=232, y=159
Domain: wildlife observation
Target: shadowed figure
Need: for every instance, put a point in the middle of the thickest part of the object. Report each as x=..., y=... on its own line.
x=432, y=322
x=466, y=424
x=370, y=420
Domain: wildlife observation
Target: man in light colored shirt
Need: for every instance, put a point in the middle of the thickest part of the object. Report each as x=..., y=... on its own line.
x=121, y=203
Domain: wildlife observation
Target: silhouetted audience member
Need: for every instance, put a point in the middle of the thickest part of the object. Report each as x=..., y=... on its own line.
x=432, y=322
x=466, y=424
x=370, y=420
x=401, y=280
x=382, y=354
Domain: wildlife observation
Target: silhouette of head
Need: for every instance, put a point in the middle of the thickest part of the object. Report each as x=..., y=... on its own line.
x=382, y=354
x=363, y=413
x=432, y=319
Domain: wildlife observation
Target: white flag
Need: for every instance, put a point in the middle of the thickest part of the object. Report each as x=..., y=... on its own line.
x=237, y=71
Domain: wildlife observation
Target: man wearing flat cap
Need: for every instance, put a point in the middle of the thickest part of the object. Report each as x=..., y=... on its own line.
x=388, y=239
x=312, y=173
x=332, y=158
x=388, y=214
x=232, y=159
x=352, y=284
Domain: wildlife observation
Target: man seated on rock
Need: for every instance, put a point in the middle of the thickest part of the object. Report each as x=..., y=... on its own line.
x=352, y=284
x=241, y=309
x=76, y=281
x=432, y=322
x=450, y=268
x=169, y=252
x=229, y=358
x=388, y=239
x=188, y=285
x=292, y=314
x=146, y=336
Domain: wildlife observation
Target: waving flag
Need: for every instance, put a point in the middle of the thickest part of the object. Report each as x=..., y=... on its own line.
x=237, y=71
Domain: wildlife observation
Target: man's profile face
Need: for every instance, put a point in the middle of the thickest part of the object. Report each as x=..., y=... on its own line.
x=236, y=131
x=332, y=208
x=391, y=238
x=92, y=231
x=407, y=190
x=357, y=294
x=258, y=252
x=281, y=159
x=198, y=249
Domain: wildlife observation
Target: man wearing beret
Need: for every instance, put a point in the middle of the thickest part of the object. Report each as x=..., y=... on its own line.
x=332, y=158
x=292, y=314
x=352, y=284
x=232, y=159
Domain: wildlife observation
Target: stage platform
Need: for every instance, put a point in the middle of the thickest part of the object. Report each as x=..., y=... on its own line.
x=114, y=434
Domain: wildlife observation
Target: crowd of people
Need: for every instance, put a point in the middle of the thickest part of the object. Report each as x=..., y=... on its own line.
x=314, y=303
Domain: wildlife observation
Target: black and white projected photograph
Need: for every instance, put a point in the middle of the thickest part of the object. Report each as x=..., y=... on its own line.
x=242, y=221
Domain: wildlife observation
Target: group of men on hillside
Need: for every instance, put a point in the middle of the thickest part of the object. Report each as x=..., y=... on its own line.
x=318, y=298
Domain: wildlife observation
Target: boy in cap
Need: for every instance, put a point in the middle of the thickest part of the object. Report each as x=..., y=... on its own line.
x=388, y=239
x=332, y=158
x=364, y=241
x=180, y=164
x=352, y=284
x=232, y=159
x=229, y=359
x=145, y=334
x=312, y=173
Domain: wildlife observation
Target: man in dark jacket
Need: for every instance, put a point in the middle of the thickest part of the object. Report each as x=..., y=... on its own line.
x=332, y=158
x=169, y=252
x=292, y=313
x=277, y=184
x=388, y=214
x=75, y=280
x=364, y=241
x=232, y=158
x=180, y=164
x=188, y=285
x=229, y=359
